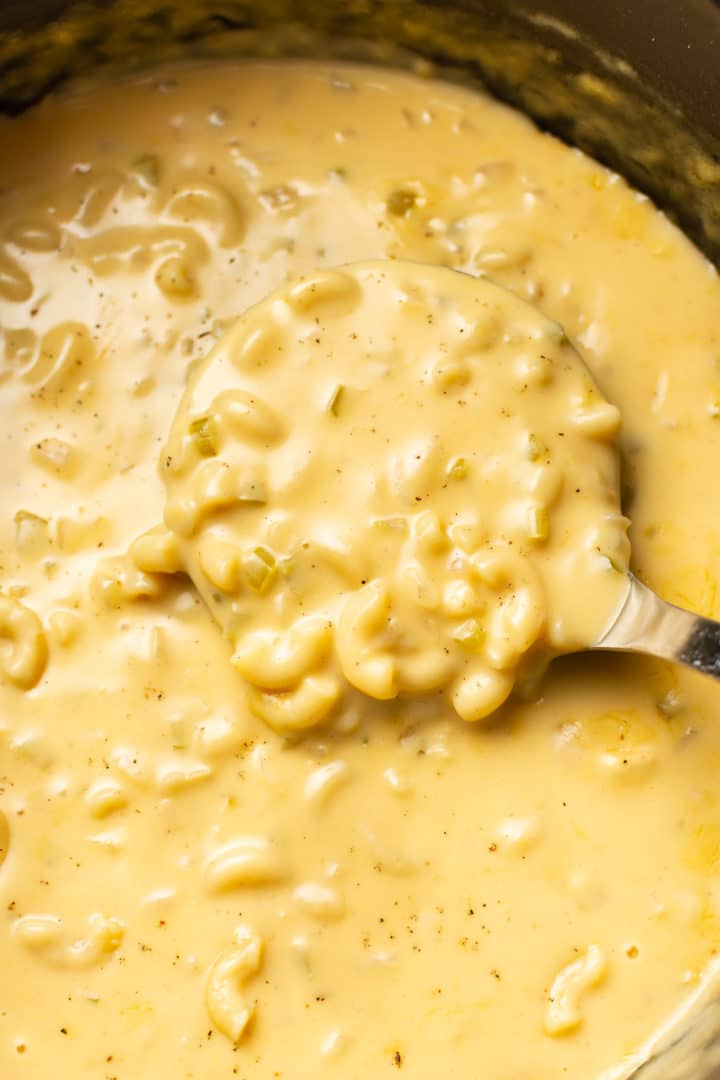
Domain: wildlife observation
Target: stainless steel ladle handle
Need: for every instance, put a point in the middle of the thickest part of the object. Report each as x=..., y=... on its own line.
x=647, y=624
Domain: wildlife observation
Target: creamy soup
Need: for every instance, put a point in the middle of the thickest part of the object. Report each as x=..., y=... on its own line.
x=190, y=886
x=395, y=478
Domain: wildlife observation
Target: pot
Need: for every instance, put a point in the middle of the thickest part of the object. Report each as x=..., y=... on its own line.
x=636, y=85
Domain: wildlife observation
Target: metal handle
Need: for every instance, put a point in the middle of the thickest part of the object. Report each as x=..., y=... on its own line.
x=647, y=624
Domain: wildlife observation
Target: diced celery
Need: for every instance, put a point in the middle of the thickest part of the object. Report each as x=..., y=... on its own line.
x=205, y=434
x=457, y=469
x=537, y=449
x=470, y=634
x=260, y=567
x=401, y=201
x=148, y=166
x=396, y=524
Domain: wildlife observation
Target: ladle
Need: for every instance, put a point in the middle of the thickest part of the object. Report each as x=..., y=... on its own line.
x=647, y=624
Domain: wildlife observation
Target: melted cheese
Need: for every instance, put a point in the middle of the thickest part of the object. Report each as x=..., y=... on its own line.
x=184, y=891
x=398, y=478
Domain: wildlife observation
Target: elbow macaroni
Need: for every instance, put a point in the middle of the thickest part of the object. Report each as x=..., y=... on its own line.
x=364, y=665
x=119, y=581
x=44, y=935
x=291, y=711
x=438, y=480
x=24, y=662
x=211, y=203
x=228, y=1008
x=15, y=283
x=277, y=661
x=563, y=1013
x=247, y=861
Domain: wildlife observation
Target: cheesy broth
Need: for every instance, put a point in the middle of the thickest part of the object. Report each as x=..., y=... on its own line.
x=186, y=891
x=394, y=478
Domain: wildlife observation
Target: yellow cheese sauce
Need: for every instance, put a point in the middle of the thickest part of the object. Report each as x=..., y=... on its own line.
x=185, y=891
x=398, y=478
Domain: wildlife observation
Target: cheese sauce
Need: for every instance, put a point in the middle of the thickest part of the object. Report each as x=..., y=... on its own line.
x=398, y=478
x=185, y=891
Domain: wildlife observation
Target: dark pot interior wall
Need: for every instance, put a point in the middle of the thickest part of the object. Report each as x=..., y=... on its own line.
x=635, y=82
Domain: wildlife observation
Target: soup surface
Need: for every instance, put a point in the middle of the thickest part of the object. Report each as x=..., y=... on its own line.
x=185, y=891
